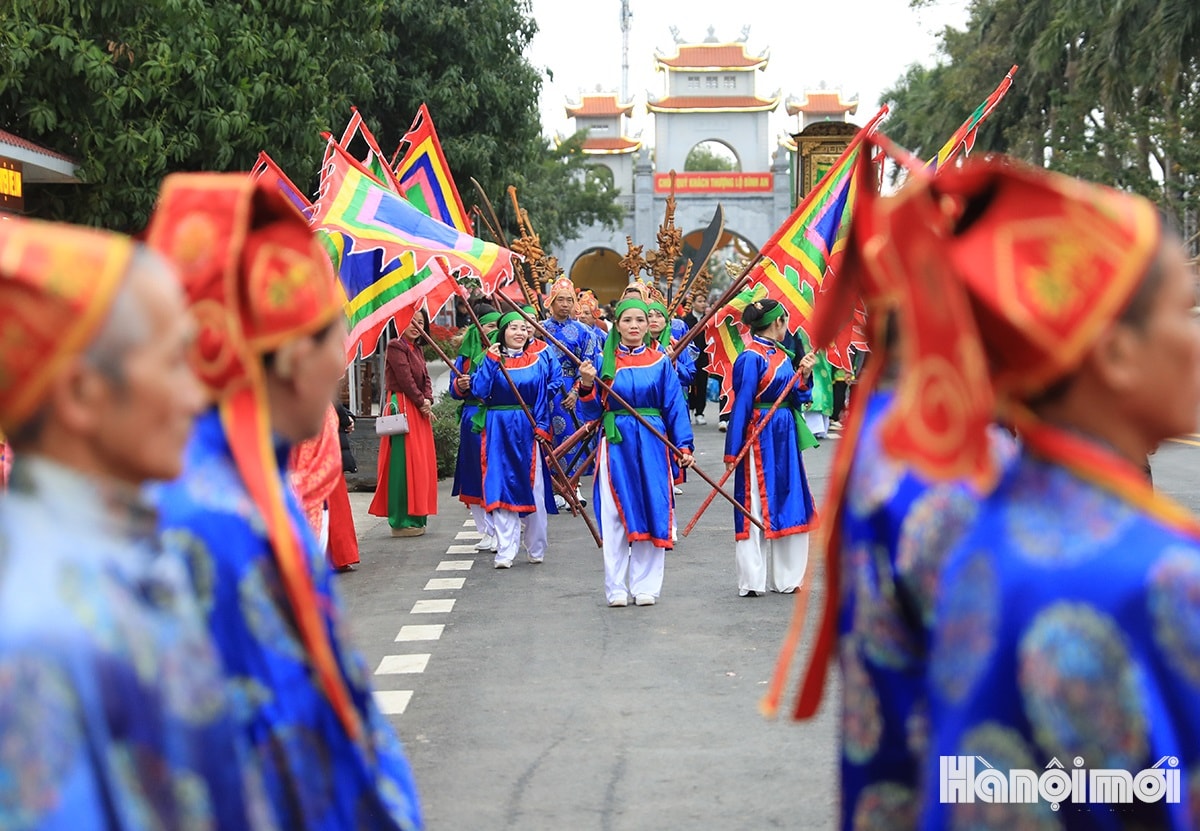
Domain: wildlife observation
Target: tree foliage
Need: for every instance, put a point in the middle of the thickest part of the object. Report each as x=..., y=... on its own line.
x=465, y=60
x=135, y=89
x=1107, y=91
x=707, y=156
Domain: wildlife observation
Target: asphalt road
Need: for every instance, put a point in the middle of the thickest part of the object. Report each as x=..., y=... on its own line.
x=528, y=703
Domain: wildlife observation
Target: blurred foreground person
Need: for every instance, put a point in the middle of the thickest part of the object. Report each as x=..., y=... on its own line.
x=271, y=350
x=113, y=711
x=1066, y=621
x=317, y=468
x=5, y=462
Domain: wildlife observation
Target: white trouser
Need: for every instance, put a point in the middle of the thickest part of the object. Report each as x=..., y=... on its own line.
x=323, y=534
x=483, y=521
x=509, y=524
x=818, y=423
x=788, y=555
x=629, y=568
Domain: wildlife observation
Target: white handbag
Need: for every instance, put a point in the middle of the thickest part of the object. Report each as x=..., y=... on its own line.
x=391, y=425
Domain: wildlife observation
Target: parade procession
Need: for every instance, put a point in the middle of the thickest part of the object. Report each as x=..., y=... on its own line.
x=615, y=479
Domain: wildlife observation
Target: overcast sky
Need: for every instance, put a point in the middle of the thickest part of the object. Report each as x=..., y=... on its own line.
x=860, y=46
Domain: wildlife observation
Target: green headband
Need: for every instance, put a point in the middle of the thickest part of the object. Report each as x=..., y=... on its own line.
x=770, y=317
x=664, y=337
x=507, y=319
x=608, y=364
x=475, y=341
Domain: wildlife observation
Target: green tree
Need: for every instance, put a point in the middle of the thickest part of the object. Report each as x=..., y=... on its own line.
x=465, y=59
x=1107, y=91
x=140, y=88
x=707, y=156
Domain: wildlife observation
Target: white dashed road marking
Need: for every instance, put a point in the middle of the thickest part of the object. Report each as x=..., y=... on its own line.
x=392, y=702
x=395, y=702
x=421, y=632
x=398, y=664
x=455, y=565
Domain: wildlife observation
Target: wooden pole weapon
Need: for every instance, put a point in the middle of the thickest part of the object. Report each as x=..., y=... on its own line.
x=750, y=439
x=568, y=492
x=631, y=411
x=720, y=303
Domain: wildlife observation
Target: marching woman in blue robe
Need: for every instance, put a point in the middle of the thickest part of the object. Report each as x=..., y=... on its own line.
x=468, y=470
x=632, y=488
x=516, y=481
x=770, y=480
x=665, y=336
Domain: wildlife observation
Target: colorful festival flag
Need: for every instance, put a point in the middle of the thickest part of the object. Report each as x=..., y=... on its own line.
x=379, y=292
x=807, y=248
x=375, y=162
x=410, y=256
x=266, y=168
x=964, y=137
x=727, y=335
x=424, y=176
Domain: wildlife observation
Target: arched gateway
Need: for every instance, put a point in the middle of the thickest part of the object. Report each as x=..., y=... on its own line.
x=710, y=96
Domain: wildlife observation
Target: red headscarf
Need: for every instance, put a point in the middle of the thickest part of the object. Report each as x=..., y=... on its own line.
x=256, y=279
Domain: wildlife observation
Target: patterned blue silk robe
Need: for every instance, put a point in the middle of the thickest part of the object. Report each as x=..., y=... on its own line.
x=639, y=466
x=113, y=710
x=316, y=776
x=896, y=531
x=580, y=340
x=1068, y=627
x=759, y=375
x=510, y=450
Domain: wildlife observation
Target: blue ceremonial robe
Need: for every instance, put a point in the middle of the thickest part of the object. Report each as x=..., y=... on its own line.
x=685, y=364
x=639, y=465
x=113, y=710
x=580, y=340
x=759, y=375
x=896, y=531
x=316, y=776
x=1067, y=627
x=510, y=450
x=468, y=467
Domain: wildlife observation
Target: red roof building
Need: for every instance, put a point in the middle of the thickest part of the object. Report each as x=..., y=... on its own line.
x=711, y=57
x=602, y=116
x=41, y=164
x=713, y=103
x=821, y=106
x=599, y=106
x=610, y=146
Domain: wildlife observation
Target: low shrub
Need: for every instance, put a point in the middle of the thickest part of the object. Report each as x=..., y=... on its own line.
x=445, y=435
x=447, y=338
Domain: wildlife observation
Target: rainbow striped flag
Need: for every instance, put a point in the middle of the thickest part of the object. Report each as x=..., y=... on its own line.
x=727, y=335
x=807, y=248
x=375, y=162
x=379, y=292
x=411, y=256
x=424, y=176
x=266, y=168
x=964, y=137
